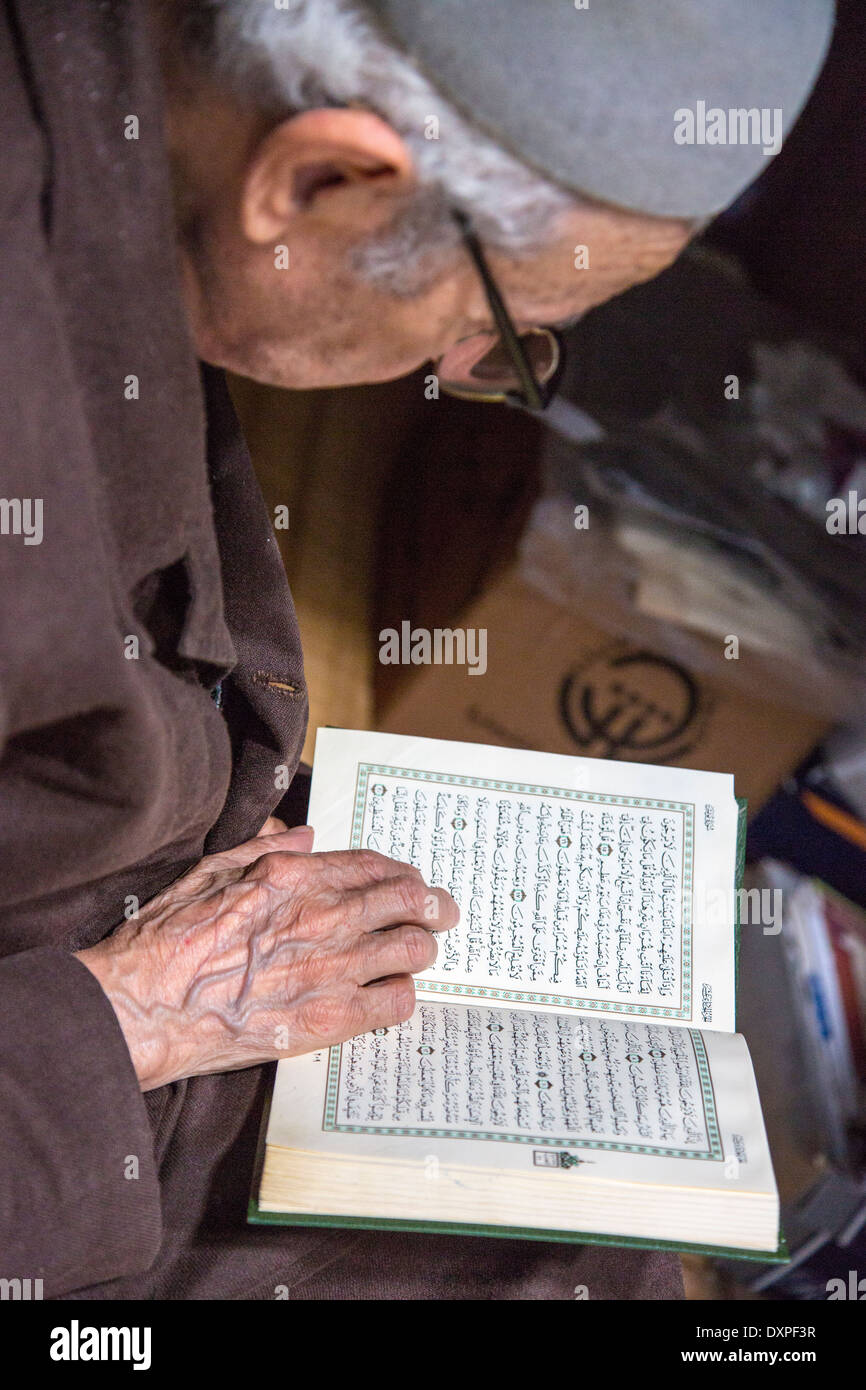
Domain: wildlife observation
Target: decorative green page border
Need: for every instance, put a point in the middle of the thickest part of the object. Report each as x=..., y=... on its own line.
x=715, y=1151
x=570, y=1001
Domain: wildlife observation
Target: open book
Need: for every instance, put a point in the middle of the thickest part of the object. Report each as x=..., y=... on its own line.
x=571, y=1071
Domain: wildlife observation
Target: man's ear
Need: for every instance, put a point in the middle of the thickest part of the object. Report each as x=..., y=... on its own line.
x=312, y=154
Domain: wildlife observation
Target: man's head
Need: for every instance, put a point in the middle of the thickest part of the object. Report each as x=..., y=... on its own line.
x=321, y=147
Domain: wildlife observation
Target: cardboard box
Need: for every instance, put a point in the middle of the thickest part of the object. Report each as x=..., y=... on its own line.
x=556, y=683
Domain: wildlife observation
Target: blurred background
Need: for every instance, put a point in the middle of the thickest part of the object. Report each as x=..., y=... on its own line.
x=706, y=609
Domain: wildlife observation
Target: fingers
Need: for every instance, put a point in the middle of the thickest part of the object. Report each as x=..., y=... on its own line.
x=400, y=951
x=388, y=1002
x=350, y=868
x=403, y=898
x=394, y=899
x=340, y=871
x=356, y=868
x=354, y=890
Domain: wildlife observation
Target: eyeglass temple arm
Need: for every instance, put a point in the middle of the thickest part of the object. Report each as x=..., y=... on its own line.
x=507, y=331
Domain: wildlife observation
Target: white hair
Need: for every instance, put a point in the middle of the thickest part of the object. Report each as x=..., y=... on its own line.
x=293, y=55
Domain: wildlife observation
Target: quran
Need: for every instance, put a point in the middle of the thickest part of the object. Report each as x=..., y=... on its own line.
x=571, y=1071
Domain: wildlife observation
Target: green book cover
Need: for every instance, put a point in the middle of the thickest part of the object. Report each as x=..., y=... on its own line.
x=739, y=871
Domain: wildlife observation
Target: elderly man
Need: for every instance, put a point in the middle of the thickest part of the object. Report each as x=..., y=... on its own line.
x=311, y=192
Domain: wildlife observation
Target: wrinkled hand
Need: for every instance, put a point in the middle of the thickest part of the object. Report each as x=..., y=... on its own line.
x=268, y=951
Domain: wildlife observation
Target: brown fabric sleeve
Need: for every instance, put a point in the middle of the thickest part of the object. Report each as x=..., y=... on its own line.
x=72, y=1119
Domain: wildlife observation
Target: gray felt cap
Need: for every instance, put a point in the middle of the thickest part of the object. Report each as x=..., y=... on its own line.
x=669, y=107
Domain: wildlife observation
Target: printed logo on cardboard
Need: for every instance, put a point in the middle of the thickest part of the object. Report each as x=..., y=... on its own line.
x=632, y=706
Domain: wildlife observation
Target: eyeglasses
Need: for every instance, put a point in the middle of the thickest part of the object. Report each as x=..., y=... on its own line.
x=516, y=368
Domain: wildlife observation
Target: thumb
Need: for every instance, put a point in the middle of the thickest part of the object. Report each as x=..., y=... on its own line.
x=273, y=826
x=299, y=840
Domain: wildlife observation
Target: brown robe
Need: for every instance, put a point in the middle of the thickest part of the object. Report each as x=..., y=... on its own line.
x=118, y=769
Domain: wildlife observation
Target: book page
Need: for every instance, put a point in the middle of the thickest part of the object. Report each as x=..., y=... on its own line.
x=471, y=1084
x=583, y=884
